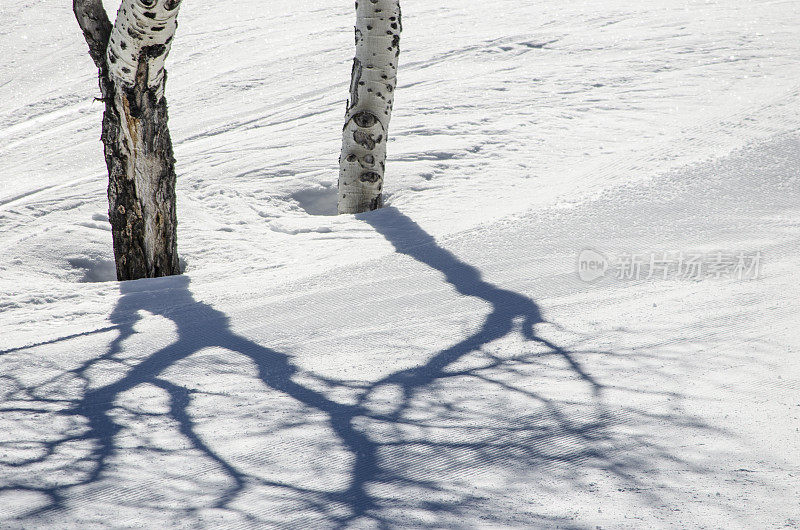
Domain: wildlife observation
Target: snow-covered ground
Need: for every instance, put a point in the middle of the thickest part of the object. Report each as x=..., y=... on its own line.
x=439, y=363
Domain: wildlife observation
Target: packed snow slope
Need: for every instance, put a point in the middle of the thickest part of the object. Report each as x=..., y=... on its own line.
x=439, y=363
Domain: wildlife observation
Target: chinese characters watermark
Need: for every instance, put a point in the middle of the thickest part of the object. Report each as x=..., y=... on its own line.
x=662, y=265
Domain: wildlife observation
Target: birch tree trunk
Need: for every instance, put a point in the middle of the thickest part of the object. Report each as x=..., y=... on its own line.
x=366, y=130
x=138, y=150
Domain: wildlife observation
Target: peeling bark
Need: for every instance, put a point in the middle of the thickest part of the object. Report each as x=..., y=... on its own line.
x=369, y=110
x=136, y=139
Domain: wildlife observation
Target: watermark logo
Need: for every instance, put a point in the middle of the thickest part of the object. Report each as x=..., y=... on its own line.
x=592, y=265
x=661, y=265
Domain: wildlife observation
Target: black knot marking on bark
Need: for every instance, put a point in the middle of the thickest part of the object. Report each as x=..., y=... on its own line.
x=366, y=140
x=154, y=51
x=365, y=119
x=369, y=176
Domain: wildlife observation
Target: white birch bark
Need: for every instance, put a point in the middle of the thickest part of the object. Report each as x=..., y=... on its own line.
x=141, y=40
x=374, y=78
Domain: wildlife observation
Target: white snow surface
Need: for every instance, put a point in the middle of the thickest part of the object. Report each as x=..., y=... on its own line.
x=438, y=363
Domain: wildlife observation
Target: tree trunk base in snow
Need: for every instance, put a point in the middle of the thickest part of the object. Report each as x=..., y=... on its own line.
x=141, y=184
x=362, y=162
x=130, y=59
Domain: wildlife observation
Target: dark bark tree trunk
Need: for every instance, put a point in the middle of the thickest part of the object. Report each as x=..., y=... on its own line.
x=141, y=184
x=138, y=149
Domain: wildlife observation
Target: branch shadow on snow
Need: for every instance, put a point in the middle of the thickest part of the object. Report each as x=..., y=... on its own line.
x=413, y=442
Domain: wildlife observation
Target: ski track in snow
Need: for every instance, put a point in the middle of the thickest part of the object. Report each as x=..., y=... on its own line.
x=437, y=363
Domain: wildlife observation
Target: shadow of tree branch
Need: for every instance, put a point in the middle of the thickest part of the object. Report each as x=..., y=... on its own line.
x=425, y=426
